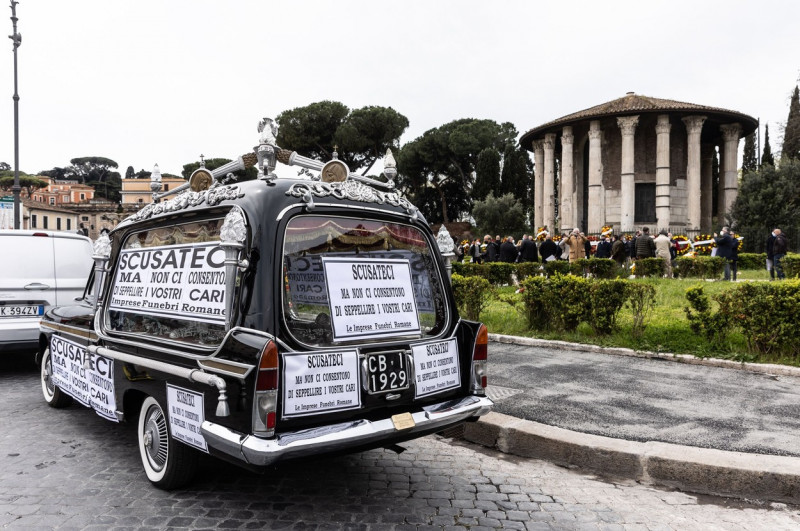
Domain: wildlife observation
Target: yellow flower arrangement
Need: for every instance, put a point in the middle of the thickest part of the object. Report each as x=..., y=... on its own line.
x=607, y=230
x=541, y=233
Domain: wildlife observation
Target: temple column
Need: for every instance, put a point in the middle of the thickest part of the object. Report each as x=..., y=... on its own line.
x=729, y=175
x=549, y=206
x=538, y=183
x=596, y=215
x=662, y=172
x=566, y=213
x=707, y=152
x=694, y=126
x=627, y=125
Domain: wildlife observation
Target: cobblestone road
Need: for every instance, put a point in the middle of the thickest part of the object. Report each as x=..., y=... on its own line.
x=70, y=469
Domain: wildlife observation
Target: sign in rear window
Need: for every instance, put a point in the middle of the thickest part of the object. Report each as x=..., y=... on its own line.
x=370, y=298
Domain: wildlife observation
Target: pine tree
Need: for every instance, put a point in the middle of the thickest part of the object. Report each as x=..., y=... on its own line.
x=749, y=160
x=487, y=174
x=791, y=136
x=766, y=157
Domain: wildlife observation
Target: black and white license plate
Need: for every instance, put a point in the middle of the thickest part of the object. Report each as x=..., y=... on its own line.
x=387, y=371
x=21, y=311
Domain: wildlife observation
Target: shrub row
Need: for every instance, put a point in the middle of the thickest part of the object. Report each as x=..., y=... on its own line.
x=767, y=313
x=500, y=273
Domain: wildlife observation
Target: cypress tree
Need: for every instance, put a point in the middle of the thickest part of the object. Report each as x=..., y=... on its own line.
x=749, y=160
x=766, y=157
x=791, y=137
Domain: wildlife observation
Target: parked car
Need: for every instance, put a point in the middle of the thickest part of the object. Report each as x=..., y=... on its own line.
x=266, y=320
x=39, y=270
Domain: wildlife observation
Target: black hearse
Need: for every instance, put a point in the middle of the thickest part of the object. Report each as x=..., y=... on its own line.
x=268, y=319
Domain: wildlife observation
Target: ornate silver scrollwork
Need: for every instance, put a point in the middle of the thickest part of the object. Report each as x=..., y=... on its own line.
x=352, y=190
x=212, y=197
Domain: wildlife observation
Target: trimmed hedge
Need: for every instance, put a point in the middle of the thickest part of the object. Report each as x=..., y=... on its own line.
x=649, y=267
x=791, y=265
x=699, y=267
x=564, y=301
x=472, y=294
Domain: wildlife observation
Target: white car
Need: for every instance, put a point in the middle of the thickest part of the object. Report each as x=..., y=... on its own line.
x=38, y=270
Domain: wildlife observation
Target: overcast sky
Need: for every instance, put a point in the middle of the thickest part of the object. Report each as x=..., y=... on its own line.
x=146, y=81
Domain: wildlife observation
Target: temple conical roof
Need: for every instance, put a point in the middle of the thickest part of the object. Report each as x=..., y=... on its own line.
x=633, y=103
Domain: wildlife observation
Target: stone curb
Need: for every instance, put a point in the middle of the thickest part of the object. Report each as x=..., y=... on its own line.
x=763, y=368
x=686, y=468
x=701, y=470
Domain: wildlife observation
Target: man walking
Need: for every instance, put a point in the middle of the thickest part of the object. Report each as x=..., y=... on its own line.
x=779, y=248
x=771, y=255
x=644, y=245
x=527, y=250
x=725, y=243
x=663, y=243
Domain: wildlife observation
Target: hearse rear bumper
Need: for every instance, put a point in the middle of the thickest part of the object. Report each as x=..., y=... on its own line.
x=336, y=437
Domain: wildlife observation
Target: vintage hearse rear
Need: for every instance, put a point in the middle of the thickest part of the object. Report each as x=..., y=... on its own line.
x=269, y=319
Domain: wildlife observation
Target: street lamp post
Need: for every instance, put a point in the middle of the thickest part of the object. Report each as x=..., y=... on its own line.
x=17, y=39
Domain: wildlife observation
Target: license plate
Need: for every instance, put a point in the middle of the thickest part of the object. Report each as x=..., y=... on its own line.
x=387, y=371
x=21, y=311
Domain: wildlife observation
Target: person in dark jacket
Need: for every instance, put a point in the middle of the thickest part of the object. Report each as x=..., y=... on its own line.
x=603, y=248
x=491, y=252
x=508, y=251
x=645, y=246
x=631, y=245
x=528, y=251
x=725, y=245
x=618, y=252
x=548, y=249
x=771, y=255
x=779, y=248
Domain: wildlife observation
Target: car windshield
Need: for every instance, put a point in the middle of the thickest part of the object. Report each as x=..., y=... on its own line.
x=348, y=279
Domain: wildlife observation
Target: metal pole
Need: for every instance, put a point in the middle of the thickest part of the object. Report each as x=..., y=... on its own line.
x=17, y=39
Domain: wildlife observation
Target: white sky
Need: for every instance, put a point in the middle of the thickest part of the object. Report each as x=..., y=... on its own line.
x=146, y=81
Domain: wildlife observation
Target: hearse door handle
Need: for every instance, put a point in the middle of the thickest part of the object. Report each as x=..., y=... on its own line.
x=37, y=285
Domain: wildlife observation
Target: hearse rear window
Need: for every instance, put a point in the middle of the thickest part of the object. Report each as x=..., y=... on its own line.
x=356, y=279
x=169, y=283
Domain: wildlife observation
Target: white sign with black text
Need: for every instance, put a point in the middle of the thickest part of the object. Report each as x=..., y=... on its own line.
x=86, y=377
x=185, y=410
x=436, y=367
x=180, y=281
x=370, y=298
x=318, y=383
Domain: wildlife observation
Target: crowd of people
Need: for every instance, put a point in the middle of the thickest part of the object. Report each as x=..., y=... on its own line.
x=575, y=245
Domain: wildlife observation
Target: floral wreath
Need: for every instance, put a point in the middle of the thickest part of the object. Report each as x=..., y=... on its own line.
x=541, y=233
x=681, y=247
x=607, y=230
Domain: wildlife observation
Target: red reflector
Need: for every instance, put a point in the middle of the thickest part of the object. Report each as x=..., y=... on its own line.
x=44, y=234
x=484, y=381
x=271, y=420
x=481, y=344
x=267, y=380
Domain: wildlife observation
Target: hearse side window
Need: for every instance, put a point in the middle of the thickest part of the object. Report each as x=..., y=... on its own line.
x=349, y=280
x=169, y=283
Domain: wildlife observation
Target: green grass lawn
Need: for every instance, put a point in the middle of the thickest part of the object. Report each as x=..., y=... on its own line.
x=667, y=329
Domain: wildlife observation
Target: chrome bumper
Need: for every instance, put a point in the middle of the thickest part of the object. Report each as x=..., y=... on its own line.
x=330, y=438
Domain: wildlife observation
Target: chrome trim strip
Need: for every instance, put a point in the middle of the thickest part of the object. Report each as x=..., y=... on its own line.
x=261, y=452
x=71, y=330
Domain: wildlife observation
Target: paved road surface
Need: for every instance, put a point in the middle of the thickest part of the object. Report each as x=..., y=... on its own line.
x=642, y=399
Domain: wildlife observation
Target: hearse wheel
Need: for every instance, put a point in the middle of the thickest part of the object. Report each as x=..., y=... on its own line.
x=54, y=396
x=169, y=464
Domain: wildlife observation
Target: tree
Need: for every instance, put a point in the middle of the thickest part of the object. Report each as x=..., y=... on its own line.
x=499, y=215
x=750, y=159
x=5, y=166
x=436, y=169
x=29, y=183
x=212, y=164
x=515, y=179
x=791, y=136
x=86, y=169
x=58, y=174
x=367, y=133
x=360, y=137
x=487, y=173
x=129, y=173
x=766, y=157
x=768, y=198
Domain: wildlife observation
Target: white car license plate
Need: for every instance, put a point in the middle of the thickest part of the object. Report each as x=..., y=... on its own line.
x=21, y=311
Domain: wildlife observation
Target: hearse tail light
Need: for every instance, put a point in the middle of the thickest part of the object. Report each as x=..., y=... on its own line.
x=265, y=404
x=479, y=358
